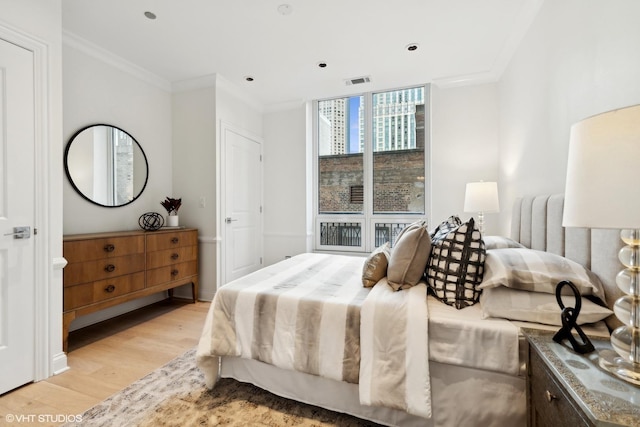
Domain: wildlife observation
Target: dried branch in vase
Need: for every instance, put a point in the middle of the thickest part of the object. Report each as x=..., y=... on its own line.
x=171, y=205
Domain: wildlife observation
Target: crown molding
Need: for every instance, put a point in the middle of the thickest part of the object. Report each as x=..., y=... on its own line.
x=72, y=40
x=193, y=84
x=235, y=90
x=520, y=26
x=466, y=80
x=284, y=106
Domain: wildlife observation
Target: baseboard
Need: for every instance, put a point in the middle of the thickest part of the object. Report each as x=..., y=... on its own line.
x=59, y=363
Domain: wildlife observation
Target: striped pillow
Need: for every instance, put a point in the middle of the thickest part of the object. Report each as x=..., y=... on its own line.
x=500, y=242
x=537, y=271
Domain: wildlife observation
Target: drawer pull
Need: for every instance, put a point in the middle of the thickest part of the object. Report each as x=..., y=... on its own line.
x=550, y=396
x=175, y=240
x=110, y=268
x=110, y=288
x=174, y=272
x=175, y=256
x=109, y=247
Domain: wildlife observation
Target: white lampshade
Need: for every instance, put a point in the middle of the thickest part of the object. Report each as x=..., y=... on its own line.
x=603, y=191
x=603, y=171
x=481, y=197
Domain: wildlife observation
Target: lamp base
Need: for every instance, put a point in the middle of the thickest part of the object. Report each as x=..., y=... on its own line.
x=611, y=362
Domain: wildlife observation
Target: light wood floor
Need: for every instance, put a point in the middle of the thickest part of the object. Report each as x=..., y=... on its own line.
x=105, y=358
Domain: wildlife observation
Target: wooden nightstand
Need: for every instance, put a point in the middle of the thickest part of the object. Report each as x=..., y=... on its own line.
x=565, y=388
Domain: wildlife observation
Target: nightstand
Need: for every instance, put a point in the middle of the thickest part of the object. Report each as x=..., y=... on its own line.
x=565, y=388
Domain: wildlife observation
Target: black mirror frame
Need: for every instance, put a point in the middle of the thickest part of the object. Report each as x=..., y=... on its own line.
x=66, y=165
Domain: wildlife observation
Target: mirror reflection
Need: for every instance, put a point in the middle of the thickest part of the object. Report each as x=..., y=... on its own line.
x=106, y=165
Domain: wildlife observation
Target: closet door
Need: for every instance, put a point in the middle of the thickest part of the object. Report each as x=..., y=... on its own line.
x=17, y=213
x=242, y=204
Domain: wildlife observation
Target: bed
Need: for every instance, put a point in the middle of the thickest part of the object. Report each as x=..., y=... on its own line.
x=307, y=329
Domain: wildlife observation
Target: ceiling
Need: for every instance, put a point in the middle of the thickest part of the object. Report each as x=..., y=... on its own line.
x=459, y=41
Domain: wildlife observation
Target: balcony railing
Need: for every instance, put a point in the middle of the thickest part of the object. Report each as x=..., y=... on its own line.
x=340, y=234
x=388, y=232
x=350, y=234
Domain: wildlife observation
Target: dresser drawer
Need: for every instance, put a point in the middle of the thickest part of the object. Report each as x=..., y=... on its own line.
x=108, y=247
x=167, y=274
x=171, y=256
x=168, y=240
x=550, y=405
x=90, y=293
x=89, y=271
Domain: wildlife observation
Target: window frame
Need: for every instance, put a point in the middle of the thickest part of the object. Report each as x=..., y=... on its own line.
x=367, y=219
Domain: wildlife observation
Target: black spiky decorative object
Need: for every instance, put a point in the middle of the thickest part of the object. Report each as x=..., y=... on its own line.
x=171, y=205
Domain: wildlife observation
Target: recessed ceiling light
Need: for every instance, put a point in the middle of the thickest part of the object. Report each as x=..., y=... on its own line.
x=285, y=9
x=249, y=78
x=150, y=15
x=412, y=47
x=322, y=64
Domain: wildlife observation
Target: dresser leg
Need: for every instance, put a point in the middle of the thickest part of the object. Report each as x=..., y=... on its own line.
x=67, y=318
x=194, y=290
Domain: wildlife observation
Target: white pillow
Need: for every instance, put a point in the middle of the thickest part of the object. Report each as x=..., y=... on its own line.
x=537, y=271
x=536, y=307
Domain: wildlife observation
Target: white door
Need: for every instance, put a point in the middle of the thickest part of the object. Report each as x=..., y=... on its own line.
x=242, y=222
x=17, y=209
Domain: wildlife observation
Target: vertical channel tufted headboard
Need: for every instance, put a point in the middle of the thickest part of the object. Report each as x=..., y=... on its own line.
x=536, y=222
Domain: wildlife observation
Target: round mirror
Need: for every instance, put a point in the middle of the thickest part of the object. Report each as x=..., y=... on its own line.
x=106, y=165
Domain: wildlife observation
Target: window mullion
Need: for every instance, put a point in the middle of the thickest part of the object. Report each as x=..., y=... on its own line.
x=368, y=168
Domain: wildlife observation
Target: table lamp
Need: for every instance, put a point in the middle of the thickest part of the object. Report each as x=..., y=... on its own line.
x=481, y=197
x=603, y=191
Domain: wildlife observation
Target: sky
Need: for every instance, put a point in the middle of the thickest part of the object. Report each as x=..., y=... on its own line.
x=354, y=124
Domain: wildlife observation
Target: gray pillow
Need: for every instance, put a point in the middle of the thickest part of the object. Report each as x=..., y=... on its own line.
x=537, y=271
x=409, y=256
x=500, y=242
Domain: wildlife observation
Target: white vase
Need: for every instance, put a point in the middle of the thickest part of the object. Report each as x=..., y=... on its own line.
x=172, y=220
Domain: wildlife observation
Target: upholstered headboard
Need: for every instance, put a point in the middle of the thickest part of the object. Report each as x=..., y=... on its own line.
x=537, y=223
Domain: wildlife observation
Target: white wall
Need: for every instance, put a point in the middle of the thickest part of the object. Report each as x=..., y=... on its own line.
x=97, y=92
x=464, y=145
x=285, y=178
x=199, y=107
x=42, y=20
x=464, y=148
x=579, y=58
x=194, y=174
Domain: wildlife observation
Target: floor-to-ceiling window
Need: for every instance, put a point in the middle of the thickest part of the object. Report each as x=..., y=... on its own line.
x=370, y=167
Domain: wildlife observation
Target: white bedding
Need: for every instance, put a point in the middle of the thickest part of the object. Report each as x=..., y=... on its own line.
x=320, y=296
x=305, y=315
x=464, y=338
x=394, y=338
x=300, y=314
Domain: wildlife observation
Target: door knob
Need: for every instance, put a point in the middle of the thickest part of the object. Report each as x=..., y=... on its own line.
x=229, y=220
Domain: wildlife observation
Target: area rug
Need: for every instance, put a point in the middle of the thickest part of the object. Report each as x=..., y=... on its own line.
x=175, y=395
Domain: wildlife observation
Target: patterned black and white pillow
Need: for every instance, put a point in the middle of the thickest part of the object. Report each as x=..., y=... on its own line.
x=456, y=265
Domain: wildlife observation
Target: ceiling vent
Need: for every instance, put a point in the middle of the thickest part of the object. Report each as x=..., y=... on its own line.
x=358, y=80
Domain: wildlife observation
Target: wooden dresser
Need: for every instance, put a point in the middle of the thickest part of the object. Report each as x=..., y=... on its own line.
x=107, y=269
